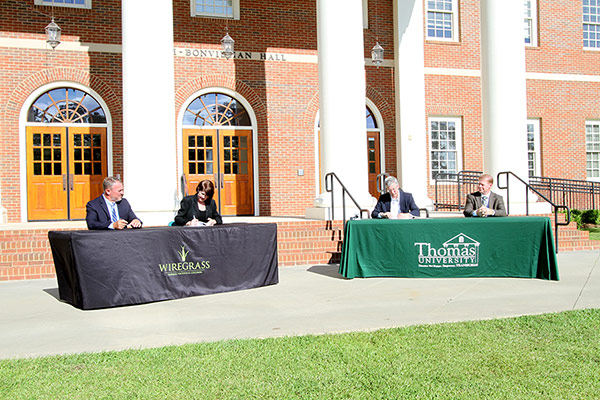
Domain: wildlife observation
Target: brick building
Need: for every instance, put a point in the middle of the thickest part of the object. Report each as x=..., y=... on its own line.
x=145, y=93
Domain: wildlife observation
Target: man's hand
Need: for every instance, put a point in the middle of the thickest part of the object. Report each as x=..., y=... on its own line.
x=485, y=212
x=136, y=223
x=120, y=224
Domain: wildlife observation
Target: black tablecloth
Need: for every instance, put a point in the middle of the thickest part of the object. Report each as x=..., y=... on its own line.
x=97, y=269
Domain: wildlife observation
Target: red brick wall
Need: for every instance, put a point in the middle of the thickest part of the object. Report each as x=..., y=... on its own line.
x=562, y=107
x=284, y=96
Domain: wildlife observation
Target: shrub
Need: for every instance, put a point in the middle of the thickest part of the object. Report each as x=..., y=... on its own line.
x=576, y=216
x=590, y=217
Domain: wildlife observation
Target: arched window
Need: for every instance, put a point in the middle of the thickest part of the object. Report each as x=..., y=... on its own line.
x=66, y=105
x=371, y=121
x=216, y=109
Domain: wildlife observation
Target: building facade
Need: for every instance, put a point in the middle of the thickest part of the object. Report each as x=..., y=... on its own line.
x=146, y=94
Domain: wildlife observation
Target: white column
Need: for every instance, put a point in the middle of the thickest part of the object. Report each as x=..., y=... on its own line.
x=409, y=64
x=504, y=91
x=149, y=151
x=342, y=96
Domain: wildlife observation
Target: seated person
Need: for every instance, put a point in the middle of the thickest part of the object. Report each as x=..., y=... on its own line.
x=110, y=210
x=395, y=204
x=484, y=203
x=199, y=208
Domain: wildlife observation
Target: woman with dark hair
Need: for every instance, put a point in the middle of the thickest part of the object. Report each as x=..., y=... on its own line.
x=199, y=208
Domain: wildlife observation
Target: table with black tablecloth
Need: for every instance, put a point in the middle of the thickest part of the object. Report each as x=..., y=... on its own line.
x=97, y=269
x=450, y=247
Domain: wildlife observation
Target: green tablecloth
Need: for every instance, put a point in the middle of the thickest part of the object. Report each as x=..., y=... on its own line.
x=521, y=247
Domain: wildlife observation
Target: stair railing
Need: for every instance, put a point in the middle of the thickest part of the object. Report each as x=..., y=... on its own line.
x=329, y=181
x=451, y=189
x=529, y=188
x=580, y=194
x=381, y=182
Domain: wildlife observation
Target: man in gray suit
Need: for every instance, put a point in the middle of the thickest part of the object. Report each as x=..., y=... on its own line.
x=485, y=203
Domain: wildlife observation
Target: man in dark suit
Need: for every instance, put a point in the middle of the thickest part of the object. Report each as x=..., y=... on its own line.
x=485, y=203
x=110, y=210
x=395, y=203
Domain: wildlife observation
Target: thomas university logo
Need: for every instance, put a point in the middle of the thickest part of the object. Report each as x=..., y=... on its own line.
x=184, y=267
x=459, y=251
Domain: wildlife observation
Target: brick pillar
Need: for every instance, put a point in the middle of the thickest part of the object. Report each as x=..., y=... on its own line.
x=149, y=142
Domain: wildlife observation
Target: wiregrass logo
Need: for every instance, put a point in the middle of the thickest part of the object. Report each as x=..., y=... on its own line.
x=459, y=251
x=184, y=267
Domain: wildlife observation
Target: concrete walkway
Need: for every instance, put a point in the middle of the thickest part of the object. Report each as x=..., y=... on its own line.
x=308, y=300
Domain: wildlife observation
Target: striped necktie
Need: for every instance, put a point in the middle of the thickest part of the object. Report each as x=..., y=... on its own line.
x=113, y=213
x=484, y=200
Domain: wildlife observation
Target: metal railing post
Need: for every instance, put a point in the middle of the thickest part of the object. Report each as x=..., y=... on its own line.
x=329, y=188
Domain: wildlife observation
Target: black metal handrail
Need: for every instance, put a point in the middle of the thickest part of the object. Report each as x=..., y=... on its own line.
x=450, y=198
x=329, y=188
x=381, y=182
x=529, y=188
x=576, y=194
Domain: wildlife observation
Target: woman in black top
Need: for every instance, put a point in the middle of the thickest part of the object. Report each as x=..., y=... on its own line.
x=199, y=208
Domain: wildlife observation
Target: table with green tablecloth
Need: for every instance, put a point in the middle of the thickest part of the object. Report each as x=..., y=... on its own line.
x=521, y=247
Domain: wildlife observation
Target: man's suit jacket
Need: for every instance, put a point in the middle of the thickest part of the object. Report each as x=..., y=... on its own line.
x=473, y=203
x=98, y=217
x=189, y=208
x=407, y=204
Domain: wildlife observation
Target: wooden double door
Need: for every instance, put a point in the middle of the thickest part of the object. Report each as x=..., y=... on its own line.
x=65, y=169
x=223, y=156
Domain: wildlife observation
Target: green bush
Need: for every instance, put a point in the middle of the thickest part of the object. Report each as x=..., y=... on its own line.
x=576, y=216
x=590, y=217
x=585, y=217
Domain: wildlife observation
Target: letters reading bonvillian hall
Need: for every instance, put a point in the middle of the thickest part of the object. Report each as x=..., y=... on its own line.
x=244, y=55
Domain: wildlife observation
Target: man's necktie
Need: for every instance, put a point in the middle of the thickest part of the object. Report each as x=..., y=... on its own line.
x=113, y=213
x=484, y=200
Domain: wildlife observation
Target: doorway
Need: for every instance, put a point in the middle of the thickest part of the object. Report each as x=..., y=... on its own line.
x=66, y=158
x=217, y=145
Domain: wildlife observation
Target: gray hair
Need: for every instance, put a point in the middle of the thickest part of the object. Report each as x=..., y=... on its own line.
x=390, y=180
x=109, y=182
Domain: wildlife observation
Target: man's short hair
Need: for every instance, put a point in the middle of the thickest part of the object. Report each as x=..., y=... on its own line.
x=390, y=180
x=487, y=177
x=109, y=182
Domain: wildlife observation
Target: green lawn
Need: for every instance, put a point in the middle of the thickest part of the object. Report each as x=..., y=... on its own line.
x=552, y=356
x=594, y=233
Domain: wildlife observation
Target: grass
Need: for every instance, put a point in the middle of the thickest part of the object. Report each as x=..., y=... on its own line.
x=594, y=233
x=551, y=356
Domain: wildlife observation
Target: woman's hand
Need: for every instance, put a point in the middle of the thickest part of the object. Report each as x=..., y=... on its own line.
x=211, y=222
x=192, y=222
